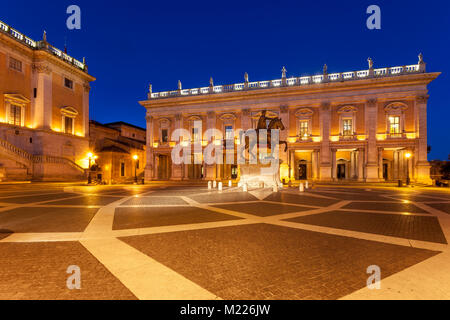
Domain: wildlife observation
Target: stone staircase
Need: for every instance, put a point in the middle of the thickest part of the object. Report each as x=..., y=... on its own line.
x=18, y=164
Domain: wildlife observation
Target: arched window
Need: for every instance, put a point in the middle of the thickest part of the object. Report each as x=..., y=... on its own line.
x=395, y=119
x=304, y=123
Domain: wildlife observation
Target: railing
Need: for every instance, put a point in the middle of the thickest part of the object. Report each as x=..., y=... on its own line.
x=57, y=160
x=15, y=150
x=300, y=81
x=39, y=46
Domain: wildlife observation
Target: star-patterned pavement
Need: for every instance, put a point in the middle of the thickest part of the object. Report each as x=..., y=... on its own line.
x=187, y=242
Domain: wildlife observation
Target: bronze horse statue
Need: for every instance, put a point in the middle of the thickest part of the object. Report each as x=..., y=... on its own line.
x=275, y=124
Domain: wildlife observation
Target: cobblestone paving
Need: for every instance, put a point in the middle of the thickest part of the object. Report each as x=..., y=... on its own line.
x=46, y=219
x=385, y=206
x=285, y=245
x=262, y=209
x=35, y=271
x=270, y=262
x=129, y=218
x=402, y=226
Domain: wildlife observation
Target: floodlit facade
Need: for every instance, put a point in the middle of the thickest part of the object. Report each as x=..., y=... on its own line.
x=368, y=126
x=44, y=110
x=119, y=152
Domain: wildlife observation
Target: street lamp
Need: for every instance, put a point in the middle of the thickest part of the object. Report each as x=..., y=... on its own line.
x=135, y=158
x=407, y=156
x=90, y=156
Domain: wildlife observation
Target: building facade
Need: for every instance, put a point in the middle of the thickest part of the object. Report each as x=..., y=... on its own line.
x=368, y=125
x=44, y=110
x=119, y=150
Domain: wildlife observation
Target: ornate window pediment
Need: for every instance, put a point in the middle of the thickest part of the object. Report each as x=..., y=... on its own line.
x=228, y=117
x=304, y=113
x=347, y=109
x=396, y=107
x=69, y=112
x=16, y=98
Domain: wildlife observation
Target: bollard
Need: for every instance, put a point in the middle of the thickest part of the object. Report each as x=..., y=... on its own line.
x=230, y=183
x=209, y=185
x=214, y=184
x=306, y=185
x=220, y=186
x=301, y=188
x=245, y=187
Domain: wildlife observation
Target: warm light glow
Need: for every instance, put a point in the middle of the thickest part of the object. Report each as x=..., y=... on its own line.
x=292, y=139
x=408, y=155
x=135, y=157
x=56, y=129
x=172, y=144
x=317, y=139
x=411, y=135
x=204, y=143
x=334, y=138
x=155, y=145
x=361, y=138
x=90, y=155
x=381, y=137
x=95, y=157
x=79, y=134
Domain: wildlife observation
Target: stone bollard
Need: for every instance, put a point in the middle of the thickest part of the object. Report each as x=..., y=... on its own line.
x=214, y=184
x=220, y=186
x=209, y=185
x=306, y=185
x=245, y=187
x=301, y=188
x=230, y=183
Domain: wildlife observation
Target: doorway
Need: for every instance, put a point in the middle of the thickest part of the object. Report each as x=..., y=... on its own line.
x=163, y=167
x=341, y=171
x=302, y=171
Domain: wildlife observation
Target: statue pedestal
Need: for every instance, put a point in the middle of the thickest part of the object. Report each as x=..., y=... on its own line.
x=255, y=175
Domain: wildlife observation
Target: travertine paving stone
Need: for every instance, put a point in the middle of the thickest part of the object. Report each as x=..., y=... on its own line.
x=403, y=226
x=38, y=198
x=128, y=218
x=270, y=262
x=444, y=207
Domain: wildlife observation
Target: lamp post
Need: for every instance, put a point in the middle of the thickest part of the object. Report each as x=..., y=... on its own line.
x=135, y=158
x=90, y=156
x=407, y=156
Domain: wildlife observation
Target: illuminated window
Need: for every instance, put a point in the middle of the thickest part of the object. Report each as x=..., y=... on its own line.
x=304, y=129
x=15, y=64
x=394, y=125
x=195, y=135
x=229, y=134
x=15, y=115
x=347, y=127
x=122, y=169
x=68, y=125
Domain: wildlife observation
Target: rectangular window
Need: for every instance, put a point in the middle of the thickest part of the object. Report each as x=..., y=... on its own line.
x=394, y=125
x=164, y=136
x=195, y=136
x=68, y=125
x=229, y=134
x=347, y=127
x=15, y=115
x=122, y=169
x=304, y=129
x=15, y=64
x=68, y=83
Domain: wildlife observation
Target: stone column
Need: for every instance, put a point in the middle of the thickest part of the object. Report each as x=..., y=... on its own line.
x=315, y=164
x=380, y=163
x=422, y=165
x=395, y=165
x=85, y=126
x=149, y=167
x=293, y=168
x=334, y=164
x=177, y=169
x=360, y=164
x=352, y=164
x=372, y=165
x=325, y=154
x=210, y=124
x=43, y=102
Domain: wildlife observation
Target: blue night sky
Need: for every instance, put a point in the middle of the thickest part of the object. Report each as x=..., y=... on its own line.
x=129, y=44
